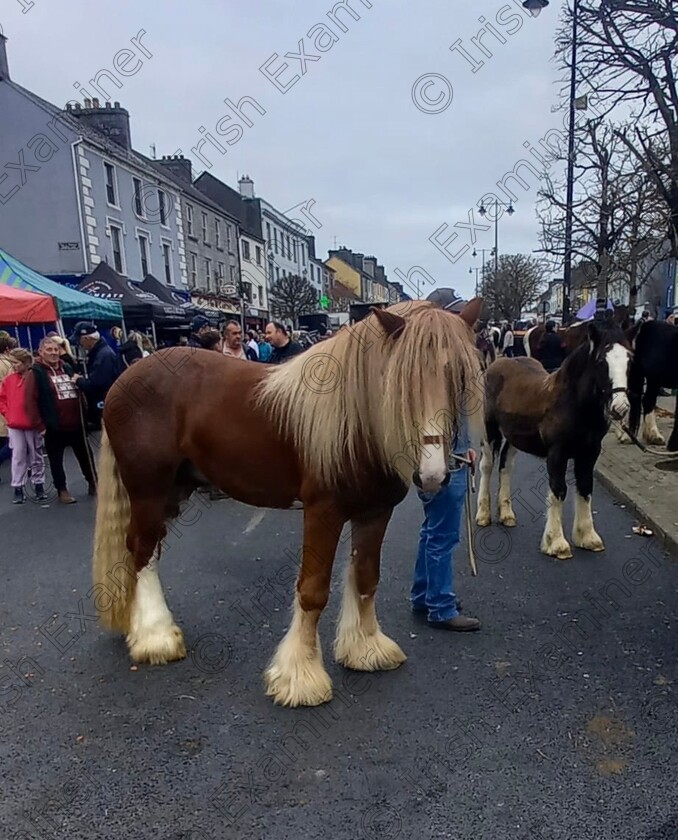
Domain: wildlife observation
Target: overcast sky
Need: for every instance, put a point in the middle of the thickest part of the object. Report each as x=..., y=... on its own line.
x=384, y=173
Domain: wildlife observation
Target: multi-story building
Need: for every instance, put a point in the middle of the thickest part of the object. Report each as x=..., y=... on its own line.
x=73, y=191
x=210, y=240
x=251, y=245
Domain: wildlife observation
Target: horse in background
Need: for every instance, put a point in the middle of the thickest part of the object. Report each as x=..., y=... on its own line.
x=558, y=416
x=655, y=366
x=340, y=428
x=619, y=317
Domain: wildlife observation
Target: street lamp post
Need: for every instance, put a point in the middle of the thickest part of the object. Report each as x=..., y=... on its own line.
x=510, y=210
x=535, y=7
x=470, y=271
x=482, y=251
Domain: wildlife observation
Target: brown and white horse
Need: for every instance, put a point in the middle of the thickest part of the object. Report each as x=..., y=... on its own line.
x=340, y=428
x=558, y=416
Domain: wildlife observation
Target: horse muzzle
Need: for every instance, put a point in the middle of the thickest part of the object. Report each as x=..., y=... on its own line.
x=430, y=485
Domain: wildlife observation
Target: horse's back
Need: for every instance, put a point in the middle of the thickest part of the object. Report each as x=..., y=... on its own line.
x=656, y=351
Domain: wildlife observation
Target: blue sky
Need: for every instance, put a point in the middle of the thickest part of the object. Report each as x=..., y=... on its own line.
x=385, y=174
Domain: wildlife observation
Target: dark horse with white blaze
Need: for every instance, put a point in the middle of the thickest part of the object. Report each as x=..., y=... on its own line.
x=655, y=366
x=340, y=428
x=558, y=416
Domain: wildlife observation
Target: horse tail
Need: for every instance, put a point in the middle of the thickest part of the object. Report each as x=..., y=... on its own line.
x=113, y=565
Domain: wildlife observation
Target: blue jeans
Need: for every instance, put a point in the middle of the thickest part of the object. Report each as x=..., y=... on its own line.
x=432, y=586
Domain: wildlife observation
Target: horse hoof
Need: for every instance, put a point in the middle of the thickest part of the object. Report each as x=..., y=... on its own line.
x=560, y=549
x=158, y=645
x=307, y=685
x=483, y=520
x=624, y=438
x=655, y=440
x=589, y=542
x=368, y=653
x=508, y=521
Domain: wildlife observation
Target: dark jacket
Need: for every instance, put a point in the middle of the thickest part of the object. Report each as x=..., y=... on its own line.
x=102, y=371
x=550, y=352
x=282, y=354
x=128, y=353
x=42, y=405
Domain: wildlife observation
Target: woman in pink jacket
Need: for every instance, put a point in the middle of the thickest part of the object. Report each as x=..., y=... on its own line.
x=24, y=437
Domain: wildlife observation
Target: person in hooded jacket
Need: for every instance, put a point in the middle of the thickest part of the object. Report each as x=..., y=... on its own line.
x=550, y=351
x=102, y=369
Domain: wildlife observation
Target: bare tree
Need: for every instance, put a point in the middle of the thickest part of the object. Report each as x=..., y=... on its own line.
x=515, y=285
x=615, y=211
x=628, y=53
x=293, y=296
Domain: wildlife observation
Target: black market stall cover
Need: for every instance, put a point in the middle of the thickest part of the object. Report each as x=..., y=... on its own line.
x=138, y=305
x=183, y=309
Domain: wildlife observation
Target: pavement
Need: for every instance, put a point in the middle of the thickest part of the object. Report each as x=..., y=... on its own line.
x=646, y=482
x=556, y=721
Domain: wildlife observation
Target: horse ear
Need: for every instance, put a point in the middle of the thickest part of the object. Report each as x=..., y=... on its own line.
x=472, y=311
x=392, y=324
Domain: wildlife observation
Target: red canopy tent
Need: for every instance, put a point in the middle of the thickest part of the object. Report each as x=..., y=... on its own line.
x=20, y=307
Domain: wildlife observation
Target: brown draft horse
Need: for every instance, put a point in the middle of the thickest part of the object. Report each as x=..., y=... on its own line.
x=558, y=416
x=340, y=428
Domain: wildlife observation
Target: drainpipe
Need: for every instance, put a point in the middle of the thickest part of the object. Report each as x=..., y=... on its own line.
x=76, y=174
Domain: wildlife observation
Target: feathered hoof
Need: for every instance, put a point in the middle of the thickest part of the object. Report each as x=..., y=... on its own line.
x=368, y=653
x=655, y=439
x=589, y=541
x=507, y=517
x=158, y=645
x=306, y=683
x=483, y=518
x=558, y=548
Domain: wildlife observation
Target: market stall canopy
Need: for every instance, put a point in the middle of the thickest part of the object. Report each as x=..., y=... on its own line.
x=70, y=303
x=177, y=307
x=19, y=307
x=138, y=305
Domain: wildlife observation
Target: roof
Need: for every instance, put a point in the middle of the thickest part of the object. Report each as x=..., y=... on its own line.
x=190, y=190
x=70, y=302
x=96, y=138
x=245, y=210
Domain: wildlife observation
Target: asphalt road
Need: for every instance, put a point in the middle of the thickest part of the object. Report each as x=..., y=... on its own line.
x=557, y=720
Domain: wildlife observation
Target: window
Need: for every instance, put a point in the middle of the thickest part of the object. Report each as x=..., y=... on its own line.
x=220, y=272
x=194, y=269
x=143, y=253
x=284, y=274
x=167, y=262
x=116, y=245
x=162, y=208
x=189, y=219
x=303, y=253
x=232, y=274
x=138, y=202
x=295, y=250
x=229, y=239
x=246, y=250
x=257, y=251
x=268, y=235
x=275, y=239
x=204, y=228
x=208, y=272
x=111, y=192
x=277, y=273
x=217, y=233
x=289, y=248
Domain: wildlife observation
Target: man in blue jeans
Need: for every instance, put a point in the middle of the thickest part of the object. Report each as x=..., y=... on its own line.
x=433, y=585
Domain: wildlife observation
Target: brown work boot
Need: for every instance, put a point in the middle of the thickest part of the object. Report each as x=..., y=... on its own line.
x=460, y=623
x=65, y=498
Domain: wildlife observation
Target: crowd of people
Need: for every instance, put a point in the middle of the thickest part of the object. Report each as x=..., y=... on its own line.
x=50, y=401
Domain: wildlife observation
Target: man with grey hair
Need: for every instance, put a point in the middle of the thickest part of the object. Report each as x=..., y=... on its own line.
x=102, y=369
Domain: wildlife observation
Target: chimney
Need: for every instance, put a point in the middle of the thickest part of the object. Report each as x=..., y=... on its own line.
x=111, y=122
x=179, y=166
x=4, y=64
x=246, y=187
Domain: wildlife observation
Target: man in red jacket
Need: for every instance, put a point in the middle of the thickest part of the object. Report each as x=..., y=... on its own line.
x=24, y=436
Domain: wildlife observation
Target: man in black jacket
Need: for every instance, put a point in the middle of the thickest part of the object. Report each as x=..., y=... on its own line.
x=550, y=351
x=283, y=346
x=103, y=369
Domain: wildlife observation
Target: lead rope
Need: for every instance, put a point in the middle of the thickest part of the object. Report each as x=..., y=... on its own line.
x=470, y=490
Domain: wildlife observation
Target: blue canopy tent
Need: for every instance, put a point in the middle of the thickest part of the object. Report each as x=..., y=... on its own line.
x=71, y=304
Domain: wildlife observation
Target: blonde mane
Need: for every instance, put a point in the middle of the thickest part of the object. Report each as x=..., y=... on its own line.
x=364, y=393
